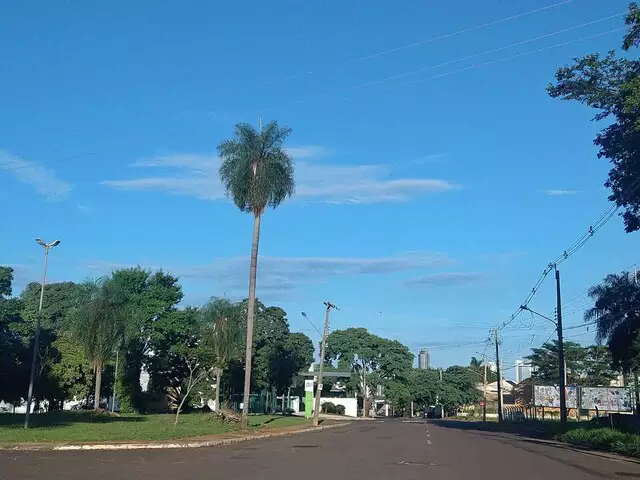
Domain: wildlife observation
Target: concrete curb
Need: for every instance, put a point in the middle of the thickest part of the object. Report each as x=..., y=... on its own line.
x=25, y=447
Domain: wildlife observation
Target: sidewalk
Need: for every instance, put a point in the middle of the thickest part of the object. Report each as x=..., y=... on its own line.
x=197, y=442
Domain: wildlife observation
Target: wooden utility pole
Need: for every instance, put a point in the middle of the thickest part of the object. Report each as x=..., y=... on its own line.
x=561, y=363
x=495, y=332
x=323, y=345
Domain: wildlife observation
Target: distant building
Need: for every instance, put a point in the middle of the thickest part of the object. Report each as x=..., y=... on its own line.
x=424, y=360
x=523, y=370
x=492, y=367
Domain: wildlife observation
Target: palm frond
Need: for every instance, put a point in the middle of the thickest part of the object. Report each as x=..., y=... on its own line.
x=256, y=170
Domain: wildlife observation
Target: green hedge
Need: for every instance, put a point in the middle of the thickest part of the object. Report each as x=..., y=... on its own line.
x=605, y=439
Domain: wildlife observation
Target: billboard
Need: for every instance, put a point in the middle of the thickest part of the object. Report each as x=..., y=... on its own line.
x=613, y=399
x=549, y=396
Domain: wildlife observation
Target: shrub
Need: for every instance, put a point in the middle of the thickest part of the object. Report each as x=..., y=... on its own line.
x=604, y=439
x=340, y=409
x=328, y=407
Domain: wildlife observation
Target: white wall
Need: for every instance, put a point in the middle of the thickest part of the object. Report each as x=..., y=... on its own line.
x=350, y=405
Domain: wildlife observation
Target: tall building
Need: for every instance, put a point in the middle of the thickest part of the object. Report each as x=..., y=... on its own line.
x=423, y=360
x=523, y=370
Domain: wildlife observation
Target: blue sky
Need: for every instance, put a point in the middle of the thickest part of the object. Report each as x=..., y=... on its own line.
x=435, y=177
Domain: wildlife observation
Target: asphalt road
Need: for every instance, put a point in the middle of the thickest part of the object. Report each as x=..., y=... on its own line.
x=364, y=450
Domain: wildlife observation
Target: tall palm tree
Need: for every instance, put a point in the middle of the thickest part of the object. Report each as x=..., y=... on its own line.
x=97, y=323
x=617, y=314
x=256, y=172
x=221, y=320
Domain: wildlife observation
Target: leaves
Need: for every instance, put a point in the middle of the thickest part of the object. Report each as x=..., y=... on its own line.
x=611, y=85
x=256, y=170
x=617, y=317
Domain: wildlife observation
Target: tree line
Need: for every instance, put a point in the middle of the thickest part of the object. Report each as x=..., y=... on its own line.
x=134, y=315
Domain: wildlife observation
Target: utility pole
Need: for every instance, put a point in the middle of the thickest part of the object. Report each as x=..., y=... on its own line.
x=495, y=332
x=316, y=414
x=561, y=364
x=36, y=340
x=484, y=388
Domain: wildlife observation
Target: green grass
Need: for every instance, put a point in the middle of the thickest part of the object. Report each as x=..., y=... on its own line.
x=599, y=438
x=95, y=427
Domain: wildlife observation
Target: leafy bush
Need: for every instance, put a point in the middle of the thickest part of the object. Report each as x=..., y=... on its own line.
x=340, y=410
x=328, y=407
x=604, y=439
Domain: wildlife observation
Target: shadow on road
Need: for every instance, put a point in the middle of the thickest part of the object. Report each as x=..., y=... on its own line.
x=529, y=436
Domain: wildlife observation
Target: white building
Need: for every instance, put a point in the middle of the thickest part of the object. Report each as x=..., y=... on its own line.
x=523, y=370
x=424, y=360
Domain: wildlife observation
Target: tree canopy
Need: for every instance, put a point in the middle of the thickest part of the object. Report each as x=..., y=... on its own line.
x=617, y=318
x=611, y=85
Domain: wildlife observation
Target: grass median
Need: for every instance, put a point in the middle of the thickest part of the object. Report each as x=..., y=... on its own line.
x=78, y=427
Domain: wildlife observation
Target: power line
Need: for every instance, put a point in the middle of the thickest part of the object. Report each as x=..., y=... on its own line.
x=480, y=54
x=506, y=59
x=429, y=40
x=461, y=59
x=591, y=231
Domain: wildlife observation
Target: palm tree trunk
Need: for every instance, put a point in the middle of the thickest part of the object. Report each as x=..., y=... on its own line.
x=252, y=300
x=217, y=395
x=96, y=394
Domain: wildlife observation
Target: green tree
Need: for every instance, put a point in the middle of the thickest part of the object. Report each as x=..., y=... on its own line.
x=372, y=360
x=14, y=356
x=611, y=85
x=257, y=172
x=617, y=317
x=599, y=370
x=147, y=296
x=586, y=366
x=59, y=300
x=222, y=320
x=289, y=358
x=458, y=388
x=98, y=324
x=198, y=359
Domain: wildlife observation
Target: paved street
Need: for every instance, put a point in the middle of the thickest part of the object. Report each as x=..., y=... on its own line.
x=364, y=450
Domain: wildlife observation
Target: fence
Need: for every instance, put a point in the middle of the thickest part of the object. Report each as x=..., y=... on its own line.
x=264, y=402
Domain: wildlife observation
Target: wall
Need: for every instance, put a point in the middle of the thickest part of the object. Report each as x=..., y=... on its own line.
x=350, y=405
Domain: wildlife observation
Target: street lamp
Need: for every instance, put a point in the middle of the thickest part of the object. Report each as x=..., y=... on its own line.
x=525, y=307
x=562, y=368
x=36, y=342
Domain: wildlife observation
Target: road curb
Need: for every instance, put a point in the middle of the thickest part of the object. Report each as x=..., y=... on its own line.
x=165, y=445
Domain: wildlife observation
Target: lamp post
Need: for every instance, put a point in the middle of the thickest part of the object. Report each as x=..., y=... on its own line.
x=36, y=341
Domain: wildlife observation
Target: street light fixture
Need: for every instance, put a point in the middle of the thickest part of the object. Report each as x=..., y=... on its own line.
x=562, y=368
x=525, y=307
x=36, y=341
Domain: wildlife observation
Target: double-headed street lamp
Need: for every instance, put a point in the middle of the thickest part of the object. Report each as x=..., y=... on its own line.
x=36, y=342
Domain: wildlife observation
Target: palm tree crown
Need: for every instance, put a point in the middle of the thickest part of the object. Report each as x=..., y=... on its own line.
x=617, y=317
x=256, y=170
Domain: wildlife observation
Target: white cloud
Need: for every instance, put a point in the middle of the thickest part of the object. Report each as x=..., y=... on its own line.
x=42, y=179
x=451, y=279
x=561, y=192
x=196, y=175
x=278, y=275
